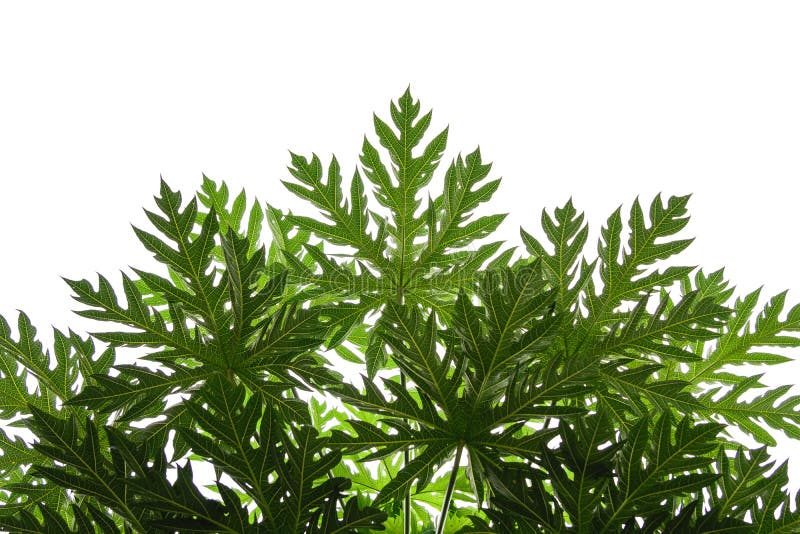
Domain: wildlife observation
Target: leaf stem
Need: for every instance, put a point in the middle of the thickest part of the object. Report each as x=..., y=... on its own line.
x=406, y=461
x=448, y=495
x=406, y=452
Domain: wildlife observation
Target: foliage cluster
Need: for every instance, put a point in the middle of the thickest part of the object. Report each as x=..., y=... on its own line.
x=539, y=390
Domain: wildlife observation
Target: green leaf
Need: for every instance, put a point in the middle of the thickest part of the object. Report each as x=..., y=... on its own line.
x=389, y=262
x=463, y=193
x=179, y=342
x=675, y=461
x=645, y=334
x=626, y=274
x=521, y=502
x=348, y=222
x=773, y=407
x=412, y=173
x=568, y=235
x=518, y=323
x=589, y=394
x=136, y=385
x=639, y=383
x=85, y=467
x=285, y=474
x=57, y=377
x=414, y=347
x=584, y=453
x=418, y=471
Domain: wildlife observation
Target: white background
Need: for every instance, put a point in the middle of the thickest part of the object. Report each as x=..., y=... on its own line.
x=600, y=102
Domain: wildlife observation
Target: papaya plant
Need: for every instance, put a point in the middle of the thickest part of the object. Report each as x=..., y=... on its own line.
x=543, y=389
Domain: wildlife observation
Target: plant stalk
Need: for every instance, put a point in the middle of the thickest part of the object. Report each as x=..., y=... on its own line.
x=406, y=452
x=407, y=497
x=448, y=494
